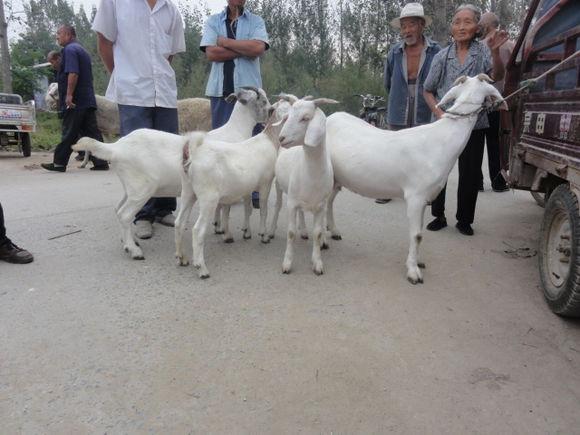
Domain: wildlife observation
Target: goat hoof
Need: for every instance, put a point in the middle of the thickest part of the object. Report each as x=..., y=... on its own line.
x=216, y=231
x=421, y=265
x=318, y=272
x=204, y=276
x=412, y=280
x=126, y=249
x=247, y=236
x=271, y=236
x=265, y=240
x=138, y=257
x=137, y=243
x=304, y=236
x=229, y=240
x=324, y=246
x=182, y=261
x=285, y=271
x=336, y=237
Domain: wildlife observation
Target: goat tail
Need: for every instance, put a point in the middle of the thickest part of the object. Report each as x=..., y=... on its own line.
x=194, y=141
x=98, y=149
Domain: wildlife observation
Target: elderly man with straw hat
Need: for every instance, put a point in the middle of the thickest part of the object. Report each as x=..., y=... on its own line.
x=406, y=68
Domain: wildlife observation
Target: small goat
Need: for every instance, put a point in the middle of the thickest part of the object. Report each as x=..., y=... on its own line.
x=217, y=172
x=239, y=128
x=149, y=162
x=412, y=164
x=306, y=174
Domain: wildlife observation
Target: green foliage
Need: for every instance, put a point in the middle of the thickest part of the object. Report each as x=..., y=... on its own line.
x=47, y=134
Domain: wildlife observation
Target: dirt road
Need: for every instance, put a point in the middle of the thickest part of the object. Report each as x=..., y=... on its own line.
x=93, y=342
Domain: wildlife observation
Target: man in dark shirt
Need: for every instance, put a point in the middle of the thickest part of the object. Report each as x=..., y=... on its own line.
x=77, y=104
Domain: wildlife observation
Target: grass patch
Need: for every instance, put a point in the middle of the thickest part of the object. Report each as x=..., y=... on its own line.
x=48, y=131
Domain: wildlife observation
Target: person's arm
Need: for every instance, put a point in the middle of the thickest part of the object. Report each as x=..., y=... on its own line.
x=432, y=103
x=246, y=47
x=219, y=54
x=105, y=48
x=494, y=42
x=72, y=80
x=431, y=83
x=388, y=71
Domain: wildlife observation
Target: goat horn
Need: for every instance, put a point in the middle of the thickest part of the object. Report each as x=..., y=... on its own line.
x=251, y=88
x=288, y=97
x=484, y=78
x=460, y=80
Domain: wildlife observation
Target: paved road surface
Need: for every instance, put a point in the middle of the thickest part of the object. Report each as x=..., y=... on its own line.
x=93, y=342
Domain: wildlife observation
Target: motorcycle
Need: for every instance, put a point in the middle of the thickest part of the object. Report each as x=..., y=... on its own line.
x=371, y=112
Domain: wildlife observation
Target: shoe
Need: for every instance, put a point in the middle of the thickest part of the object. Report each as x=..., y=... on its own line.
x=143, y=229
x=11, y=253
x=437, y=224
x=503, y=188
x=255, y=200
x=100, y=168
x=464, y=228
x=168, y=220
x=53, y=167
x=382, y=200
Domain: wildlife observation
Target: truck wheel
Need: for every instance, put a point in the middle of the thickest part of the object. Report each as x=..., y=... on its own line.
x=560, y=252
x=26, y=145
x=540, y=198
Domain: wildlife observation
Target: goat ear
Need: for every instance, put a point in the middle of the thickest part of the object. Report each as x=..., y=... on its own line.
x=231, y=98
x=460, y=80
x=316, y=130
x=320, y=101
x=484, y=78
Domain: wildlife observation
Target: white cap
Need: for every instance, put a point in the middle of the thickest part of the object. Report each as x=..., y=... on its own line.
x=411, y=10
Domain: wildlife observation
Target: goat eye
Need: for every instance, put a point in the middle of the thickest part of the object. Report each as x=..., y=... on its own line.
x=305, y=119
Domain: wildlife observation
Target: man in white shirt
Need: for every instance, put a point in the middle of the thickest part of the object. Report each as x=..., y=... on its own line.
x=137, y=40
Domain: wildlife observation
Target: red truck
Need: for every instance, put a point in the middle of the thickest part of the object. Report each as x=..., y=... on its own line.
x=541, y=139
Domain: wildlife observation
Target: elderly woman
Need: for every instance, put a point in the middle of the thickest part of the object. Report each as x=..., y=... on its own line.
x=465, y=56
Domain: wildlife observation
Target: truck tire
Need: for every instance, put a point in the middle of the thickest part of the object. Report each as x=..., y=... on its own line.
x=540, y=198
x=26, y=145
x=559, y=254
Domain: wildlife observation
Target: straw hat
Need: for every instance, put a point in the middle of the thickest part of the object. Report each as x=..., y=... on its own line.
x=411, y=10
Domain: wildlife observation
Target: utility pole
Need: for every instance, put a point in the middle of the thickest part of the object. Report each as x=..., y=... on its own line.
x=4, y=52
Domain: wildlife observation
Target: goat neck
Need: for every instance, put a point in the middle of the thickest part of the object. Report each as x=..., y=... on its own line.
x=243, y=119
x=272, y=132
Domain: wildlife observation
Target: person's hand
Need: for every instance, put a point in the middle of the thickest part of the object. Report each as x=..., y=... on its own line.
x=496, y=39
x=439, y=113
x=221, y=41
x=69, y=102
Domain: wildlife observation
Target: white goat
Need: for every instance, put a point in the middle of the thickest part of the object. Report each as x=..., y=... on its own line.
x=239, y=128
x=149, y=162
x=218, y=172
x=412, y=164
x=309, y=180
x=284, y=165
